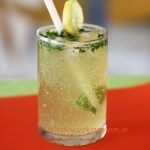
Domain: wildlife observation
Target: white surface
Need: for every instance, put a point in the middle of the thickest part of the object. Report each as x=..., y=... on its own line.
x=129, y=50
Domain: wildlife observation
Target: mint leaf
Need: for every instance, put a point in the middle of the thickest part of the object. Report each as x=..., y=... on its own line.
x=94, y=46
x=68, y=36
x=51, y=47
x=100, y=92
x=51, y=35
x=83, y=103
x=83, y=30
x=64, y=34
x=81, y=49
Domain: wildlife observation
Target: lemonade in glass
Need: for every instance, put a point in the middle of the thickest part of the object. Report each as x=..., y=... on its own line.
x=72, y=72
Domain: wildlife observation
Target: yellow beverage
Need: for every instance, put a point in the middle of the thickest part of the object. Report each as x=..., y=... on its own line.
x=72, y=84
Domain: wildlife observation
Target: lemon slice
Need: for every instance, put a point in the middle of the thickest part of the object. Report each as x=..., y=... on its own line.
x=72, y=17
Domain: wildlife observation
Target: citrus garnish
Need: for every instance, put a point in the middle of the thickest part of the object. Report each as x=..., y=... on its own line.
x=72, y=17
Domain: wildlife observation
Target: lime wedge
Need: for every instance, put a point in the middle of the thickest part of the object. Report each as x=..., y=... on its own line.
x=72, y=17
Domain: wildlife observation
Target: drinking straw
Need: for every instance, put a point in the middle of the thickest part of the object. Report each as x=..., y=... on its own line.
x=54, y=15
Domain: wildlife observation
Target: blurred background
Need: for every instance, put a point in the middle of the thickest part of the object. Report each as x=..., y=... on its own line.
x=128, y=23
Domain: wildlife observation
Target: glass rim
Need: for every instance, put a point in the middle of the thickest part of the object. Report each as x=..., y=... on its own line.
x=97, y=27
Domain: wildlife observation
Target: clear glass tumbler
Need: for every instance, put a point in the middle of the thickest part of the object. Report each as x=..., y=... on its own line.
x=72, y=87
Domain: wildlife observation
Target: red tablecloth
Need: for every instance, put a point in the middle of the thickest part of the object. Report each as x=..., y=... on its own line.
x=128, y=123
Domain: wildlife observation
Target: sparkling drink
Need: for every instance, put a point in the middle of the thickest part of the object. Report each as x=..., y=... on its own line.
x=72, y=72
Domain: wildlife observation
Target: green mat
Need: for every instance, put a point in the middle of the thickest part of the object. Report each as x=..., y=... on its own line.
x=28, y=87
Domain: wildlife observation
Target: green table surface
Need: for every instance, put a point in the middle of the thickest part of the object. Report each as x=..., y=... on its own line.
x=10, y=88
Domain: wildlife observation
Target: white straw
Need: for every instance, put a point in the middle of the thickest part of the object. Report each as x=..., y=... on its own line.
x=54, y=15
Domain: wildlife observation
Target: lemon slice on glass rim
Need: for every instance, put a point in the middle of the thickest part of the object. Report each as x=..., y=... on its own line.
x=72, y=17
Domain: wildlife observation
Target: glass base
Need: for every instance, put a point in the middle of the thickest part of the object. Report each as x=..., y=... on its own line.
x=74, y=140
